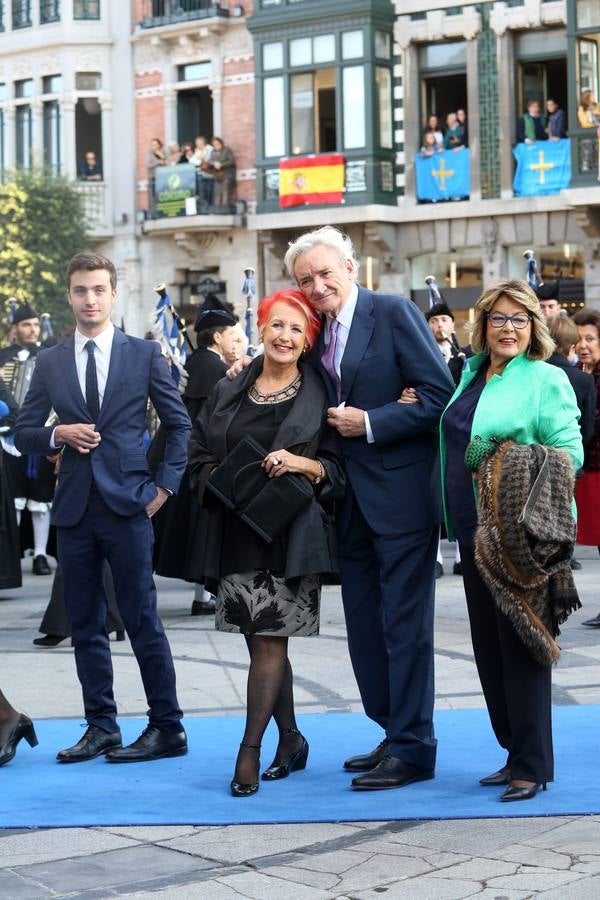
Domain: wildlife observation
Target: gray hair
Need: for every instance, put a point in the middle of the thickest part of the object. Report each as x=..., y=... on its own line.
x=328, y=236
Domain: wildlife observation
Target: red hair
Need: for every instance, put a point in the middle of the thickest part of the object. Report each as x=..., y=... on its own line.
x=298, y=302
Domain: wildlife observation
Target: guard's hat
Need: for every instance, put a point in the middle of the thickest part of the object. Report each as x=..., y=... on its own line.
x=24, y=312
x=214, y=314
x=548, y=290
x=439, y=309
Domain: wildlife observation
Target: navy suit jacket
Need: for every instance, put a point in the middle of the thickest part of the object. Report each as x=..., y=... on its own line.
x=118, y=465
x=396, y=480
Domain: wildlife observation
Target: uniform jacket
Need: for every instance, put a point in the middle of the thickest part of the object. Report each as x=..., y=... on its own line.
x=395, y=479
x=118, y=466
x=530, y=403
x=585, y=394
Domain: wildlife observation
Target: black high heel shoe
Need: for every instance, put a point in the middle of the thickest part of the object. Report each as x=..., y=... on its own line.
x=502, y=776
x=23, y=729
x=296, y=761
x=521, y=793
x=238, y=788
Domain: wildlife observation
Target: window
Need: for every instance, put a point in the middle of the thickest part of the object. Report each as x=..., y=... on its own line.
x=383, y=45
x=274, y=117
x=24, y=88
x=24, y=136
x=86, y=9
x=383, y=95
x=52, y=148
x=352, y=45
x=1, y=15
x=306, y=51
x=88, y=81
x=3, y=94
x=588, y=66
x=194, y=72
x=21, y=13
x=588, y=13
x=273, y=56
x=354, y=107
x=51, y=84
x=49, y=11
x=303, y=114
x=313, y=112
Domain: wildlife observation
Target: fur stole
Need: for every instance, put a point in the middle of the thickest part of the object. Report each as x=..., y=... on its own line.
x=525, y=541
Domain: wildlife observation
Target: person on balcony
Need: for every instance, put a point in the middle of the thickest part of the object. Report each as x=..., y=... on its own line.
x=530, y=127
x=202, y=157
x=430, y=146
x=585, y=110
x=557, y=126
x=90, y=169
x=453, y=139
x=155, y=156
x=223, y=163
x=174, y=154
x=434, y=126
x=462, y=121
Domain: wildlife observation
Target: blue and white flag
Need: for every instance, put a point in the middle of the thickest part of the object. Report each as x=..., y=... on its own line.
x=444, y=176
x=542, y=168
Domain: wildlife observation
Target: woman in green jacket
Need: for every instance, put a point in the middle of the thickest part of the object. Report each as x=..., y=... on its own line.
x=507, y=392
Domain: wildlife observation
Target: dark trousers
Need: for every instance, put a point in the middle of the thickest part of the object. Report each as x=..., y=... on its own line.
x=388, y=585
x=126, y=542
x=517, y=689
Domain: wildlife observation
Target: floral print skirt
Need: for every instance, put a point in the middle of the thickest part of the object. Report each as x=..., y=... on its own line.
x=263, y=603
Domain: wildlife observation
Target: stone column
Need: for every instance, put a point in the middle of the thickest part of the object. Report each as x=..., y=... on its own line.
x=507, y=113
x=10, y=144
x=412, y=125
x=473, y=116
x=37, y=143
x=170, y=106
x=216, y=92
x=68, y=118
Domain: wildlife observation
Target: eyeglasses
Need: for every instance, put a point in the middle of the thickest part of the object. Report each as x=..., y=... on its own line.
x=499, y=320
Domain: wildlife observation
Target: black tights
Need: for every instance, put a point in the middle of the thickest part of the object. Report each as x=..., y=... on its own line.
x=269, y=693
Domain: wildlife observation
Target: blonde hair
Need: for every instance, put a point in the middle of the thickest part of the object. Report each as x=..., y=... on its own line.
x=564, y=333
x=542, y=345
x=328, y=236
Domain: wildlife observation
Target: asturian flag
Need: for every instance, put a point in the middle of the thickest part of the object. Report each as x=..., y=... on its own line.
x=311, y=179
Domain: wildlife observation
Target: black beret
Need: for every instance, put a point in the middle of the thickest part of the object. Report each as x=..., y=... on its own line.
x=24, y=312
x=214, y=318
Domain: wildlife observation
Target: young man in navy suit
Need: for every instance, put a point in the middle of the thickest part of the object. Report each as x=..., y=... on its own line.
x=371, y=347
x=98, y=382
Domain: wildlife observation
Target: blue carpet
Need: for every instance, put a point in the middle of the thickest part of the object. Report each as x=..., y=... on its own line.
x=35, y=791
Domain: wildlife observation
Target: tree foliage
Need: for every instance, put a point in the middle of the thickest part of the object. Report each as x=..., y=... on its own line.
x=42, y=225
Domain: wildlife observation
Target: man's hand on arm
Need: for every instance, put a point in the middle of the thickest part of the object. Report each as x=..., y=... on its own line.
x=349, y=421
x=81, y=436
x=162, y=495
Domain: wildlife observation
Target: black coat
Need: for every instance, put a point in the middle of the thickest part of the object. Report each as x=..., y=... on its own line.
x=309, y=539
x=585, y=394
x=204, y=368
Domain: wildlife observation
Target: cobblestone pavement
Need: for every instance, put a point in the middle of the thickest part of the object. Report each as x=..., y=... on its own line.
x=557, y=858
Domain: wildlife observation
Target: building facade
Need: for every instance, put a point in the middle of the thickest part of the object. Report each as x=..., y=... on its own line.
x=281, y=81
x=488, y=58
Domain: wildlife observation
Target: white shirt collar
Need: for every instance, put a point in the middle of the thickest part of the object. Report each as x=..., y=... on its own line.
x=103, y=340
x=346, y=313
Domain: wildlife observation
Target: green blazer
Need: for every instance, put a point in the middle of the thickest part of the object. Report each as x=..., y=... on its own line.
x=530, y=403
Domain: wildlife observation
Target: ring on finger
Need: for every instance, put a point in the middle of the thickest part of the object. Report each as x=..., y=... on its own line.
x=277, y=461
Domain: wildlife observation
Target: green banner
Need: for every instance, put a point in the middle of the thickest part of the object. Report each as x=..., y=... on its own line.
x=172, y=186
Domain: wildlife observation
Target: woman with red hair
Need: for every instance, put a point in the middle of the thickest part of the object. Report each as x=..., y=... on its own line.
x=268, y=591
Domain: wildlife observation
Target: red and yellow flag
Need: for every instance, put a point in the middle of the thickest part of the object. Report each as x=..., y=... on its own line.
x=311, y=179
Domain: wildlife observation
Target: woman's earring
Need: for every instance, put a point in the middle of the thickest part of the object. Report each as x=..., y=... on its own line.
x=306, y=348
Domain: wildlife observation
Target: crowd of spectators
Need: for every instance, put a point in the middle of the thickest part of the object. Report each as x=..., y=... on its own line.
x=454, y=136
x=214, y=162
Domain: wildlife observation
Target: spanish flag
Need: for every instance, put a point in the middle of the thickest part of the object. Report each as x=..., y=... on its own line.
x=311, y=179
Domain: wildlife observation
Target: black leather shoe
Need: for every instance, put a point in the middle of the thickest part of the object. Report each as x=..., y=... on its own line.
x=119, y=635
x=23, y=729
x=239, y=788
x=296, y=761
x=593, y=623
x=502, y=776
x=94, y=743
x=575, y=564
x=151, y=744
x=439, y=570
x=40, y=566
x=50, y=640
x=202, y=608
x=521, y=793
x=391, y=773
x=367, y=761
x=457, y=568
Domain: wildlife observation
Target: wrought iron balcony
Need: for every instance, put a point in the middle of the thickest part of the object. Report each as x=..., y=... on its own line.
x=174, y=12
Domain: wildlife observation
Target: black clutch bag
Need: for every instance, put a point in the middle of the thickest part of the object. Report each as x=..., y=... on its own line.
x=267, y=505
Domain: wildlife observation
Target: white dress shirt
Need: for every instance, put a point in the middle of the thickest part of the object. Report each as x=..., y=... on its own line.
x=102, y=353
x=344, y=319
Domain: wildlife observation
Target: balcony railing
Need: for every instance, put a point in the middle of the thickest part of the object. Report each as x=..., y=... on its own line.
x=174, y=12
x=182, y=191
x=94, y=196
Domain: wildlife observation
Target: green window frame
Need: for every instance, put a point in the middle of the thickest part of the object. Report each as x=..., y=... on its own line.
x=86, y=9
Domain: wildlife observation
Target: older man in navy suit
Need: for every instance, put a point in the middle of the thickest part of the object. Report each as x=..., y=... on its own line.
x=371, y=348
x=99, y=382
